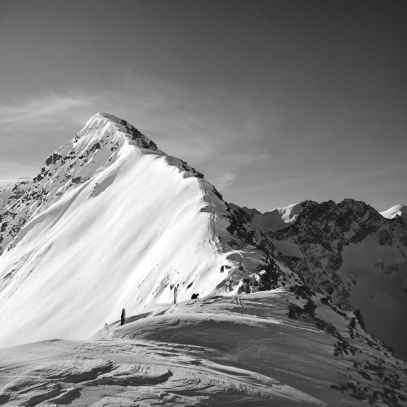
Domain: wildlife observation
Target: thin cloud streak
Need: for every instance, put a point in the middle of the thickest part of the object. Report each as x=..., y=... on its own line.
x=335, y=179
x=286, y=182
x=23, y=121
x=367, y=174
x=11, y=170
x=223, y=181
x=202, y=128
x=43, y=109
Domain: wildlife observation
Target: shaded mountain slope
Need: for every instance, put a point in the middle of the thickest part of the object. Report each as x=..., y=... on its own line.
x=347, y=251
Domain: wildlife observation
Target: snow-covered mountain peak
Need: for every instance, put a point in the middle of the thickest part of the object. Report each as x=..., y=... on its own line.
x=280, y=218
x=394, y=211
x=112, y=219
x=99, y=145
x=103, y=126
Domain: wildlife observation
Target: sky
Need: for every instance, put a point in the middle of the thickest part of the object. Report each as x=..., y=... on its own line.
x=275, y=102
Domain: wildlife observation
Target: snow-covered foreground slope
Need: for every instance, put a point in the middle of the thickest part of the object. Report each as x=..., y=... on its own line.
x=214, y=351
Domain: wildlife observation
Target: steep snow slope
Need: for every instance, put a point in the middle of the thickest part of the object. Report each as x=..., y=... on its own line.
x=92, y=150
x=116, y=225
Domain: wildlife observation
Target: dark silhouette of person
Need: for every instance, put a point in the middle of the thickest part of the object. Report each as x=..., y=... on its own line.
x=123, y=317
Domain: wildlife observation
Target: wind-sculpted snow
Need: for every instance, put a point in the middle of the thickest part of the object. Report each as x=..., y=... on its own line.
x=214, y=352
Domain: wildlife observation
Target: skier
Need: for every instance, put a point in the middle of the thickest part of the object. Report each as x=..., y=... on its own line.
x=123, y=317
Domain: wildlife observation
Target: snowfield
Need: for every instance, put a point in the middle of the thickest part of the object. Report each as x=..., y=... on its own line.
x=112, y=222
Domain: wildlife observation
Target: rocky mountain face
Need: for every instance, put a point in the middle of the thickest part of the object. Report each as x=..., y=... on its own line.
x=347, y=251
x=317, y=238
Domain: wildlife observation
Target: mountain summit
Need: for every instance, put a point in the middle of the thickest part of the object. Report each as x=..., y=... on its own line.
x=110, y=222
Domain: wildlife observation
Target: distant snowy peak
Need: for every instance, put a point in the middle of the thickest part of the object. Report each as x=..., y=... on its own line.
x=277, y=219
x=394, y=211
x=280, y=218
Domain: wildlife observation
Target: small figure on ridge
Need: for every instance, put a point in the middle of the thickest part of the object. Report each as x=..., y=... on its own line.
x=229, y=285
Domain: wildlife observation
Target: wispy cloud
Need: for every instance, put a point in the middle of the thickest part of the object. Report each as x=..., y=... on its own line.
x=202, y=128
x=288, y=182
x=366, y=175
x=39, y=110
x=28, y=118
x=223, y=181
x=195, y=125
x=10, y=169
